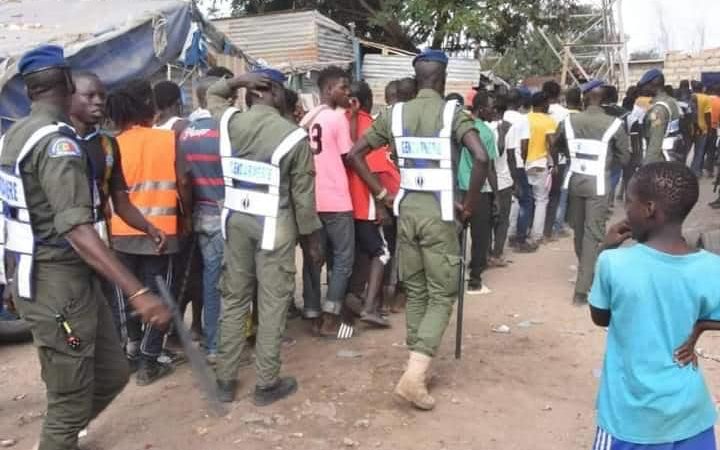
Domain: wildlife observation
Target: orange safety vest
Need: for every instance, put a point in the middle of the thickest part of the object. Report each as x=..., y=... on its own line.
x=148, y=164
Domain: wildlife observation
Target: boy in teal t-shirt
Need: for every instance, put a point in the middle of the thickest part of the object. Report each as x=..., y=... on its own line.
x=483, y=110
x=652, y=296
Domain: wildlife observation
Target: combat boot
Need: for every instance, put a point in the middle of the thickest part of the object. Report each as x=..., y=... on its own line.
x=226, y=390
x=284, y=387
x=412, y=386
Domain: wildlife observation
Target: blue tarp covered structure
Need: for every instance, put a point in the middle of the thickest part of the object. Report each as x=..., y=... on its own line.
x=117, y=39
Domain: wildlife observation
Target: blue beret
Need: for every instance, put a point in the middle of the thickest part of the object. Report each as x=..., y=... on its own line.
x=431, y=54
x=41, y=58
x=524, y=91
x=273, y=74
x=649, y=76
x=590, y=85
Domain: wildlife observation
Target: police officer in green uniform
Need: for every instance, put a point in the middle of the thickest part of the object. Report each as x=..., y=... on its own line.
x=47, y=230
x=269, y=203
x=425, y=134
x=661, y=125
x=596, y=142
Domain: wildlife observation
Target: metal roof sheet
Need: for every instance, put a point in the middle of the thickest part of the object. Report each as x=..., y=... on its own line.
x=291, y=39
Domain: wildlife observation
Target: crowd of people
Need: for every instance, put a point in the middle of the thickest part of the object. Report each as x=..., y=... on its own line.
x=216, y=203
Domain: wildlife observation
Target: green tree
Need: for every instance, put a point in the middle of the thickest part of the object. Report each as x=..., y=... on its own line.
x=448, y=24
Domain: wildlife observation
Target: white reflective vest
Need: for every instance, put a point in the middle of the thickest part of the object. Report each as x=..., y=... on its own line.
x=16, y=233
x=672, y=132
x=168, y=124
x=259, y=191
x=415, y=154
x=589, y=156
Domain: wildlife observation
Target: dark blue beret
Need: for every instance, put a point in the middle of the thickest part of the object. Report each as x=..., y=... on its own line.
x=273, y=74
x=590, y=85
x=524, y=91
x=431, y=54
x=42, y=58
x=649, y=76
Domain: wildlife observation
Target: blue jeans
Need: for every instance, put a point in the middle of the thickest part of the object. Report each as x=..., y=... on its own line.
x=338, y=239
x=526, y=203
x=208, y=231
x=561, y=211
x=699, y=154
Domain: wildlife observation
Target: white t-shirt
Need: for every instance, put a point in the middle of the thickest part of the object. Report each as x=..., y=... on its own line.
x=558, y=112
x=519, y=131
x=504, y=178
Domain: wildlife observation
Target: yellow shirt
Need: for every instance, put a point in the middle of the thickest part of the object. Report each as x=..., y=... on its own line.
x=704, y=106
x=541, y=125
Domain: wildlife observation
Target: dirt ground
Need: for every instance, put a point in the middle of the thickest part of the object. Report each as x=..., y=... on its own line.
x=531, y=389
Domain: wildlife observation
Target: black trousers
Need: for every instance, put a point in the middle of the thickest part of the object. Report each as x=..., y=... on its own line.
x=481, y=225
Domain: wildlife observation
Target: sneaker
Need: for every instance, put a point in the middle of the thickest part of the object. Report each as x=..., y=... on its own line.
x=211, y=358
x=478, y=289
x=283, y=388
x=170, y=357
x=375, y=320
x=150, y=371
x=527, y=247
x=498, y=261
x=293, y=312
x=226, y=390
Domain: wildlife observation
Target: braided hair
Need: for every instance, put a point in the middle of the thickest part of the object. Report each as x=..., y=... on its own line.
x=671, y=185
x=131, y=105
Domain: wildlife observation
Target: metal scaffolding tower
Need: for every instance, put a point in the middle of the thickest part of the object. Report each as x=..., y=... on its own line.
x=607, y=57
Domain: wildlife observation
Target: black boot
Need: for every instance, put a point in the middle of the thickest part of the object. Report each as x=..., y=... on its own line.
x=150, y=370
x=226, y=390
x=284, y=387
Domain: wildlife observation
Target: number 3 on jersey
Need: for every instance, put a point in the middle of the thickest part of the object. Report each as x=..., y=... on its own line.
x=316, y=139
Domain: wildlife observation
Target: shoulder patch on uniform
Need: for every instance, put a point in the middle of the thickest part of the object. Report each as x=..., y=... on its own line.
x=62, y=147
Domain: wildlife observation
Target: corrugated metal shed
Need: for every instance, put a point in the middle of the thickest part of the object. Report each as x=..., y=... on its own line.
x=293, y=41
x=379, y=70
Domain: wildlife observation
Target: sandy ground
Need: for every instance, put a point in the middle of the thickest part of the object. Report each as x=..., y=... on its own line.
x=533, y=388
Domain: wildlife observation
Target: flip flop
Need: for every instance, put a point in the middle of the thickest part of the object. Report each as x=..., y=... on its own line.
x=374, y=319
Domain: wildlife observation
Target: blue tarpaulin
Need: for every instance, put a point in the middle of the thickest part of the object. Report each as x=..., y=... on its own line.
x=117, y=39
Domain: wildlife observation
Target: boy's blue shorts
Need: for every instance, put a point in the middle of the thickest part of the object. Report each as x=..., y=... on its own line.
x=703, y=441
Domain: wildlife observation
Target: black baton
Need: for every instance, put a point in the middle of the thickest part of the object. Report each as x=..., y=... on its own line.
x=461, y=293
x=199, y=366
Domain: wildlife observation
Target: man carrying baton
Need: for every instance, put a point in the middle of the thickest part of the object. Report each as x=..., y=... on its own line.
x=425, y=134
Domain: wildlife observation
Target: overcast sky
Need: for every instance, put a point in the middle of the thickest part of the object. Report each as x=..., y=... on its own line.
x=684, y=20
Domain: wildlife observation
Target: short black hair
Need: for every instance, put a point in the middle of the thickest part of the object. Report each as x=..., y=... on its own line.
x=514, y=99
x=539, y=99
x=552, y=89
x=455, y=96
x=166, y=94
x=391, y=88
x=131, y=105
x=331, y=74
x=573, y=97
x=697, y=86
x=500, y=103
x=406, y=89
x=672, y=185
x=220, y=72
x=610, y=94
x=480, y=100
x=291, y=100
x=361, y=90
x=669, y=90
